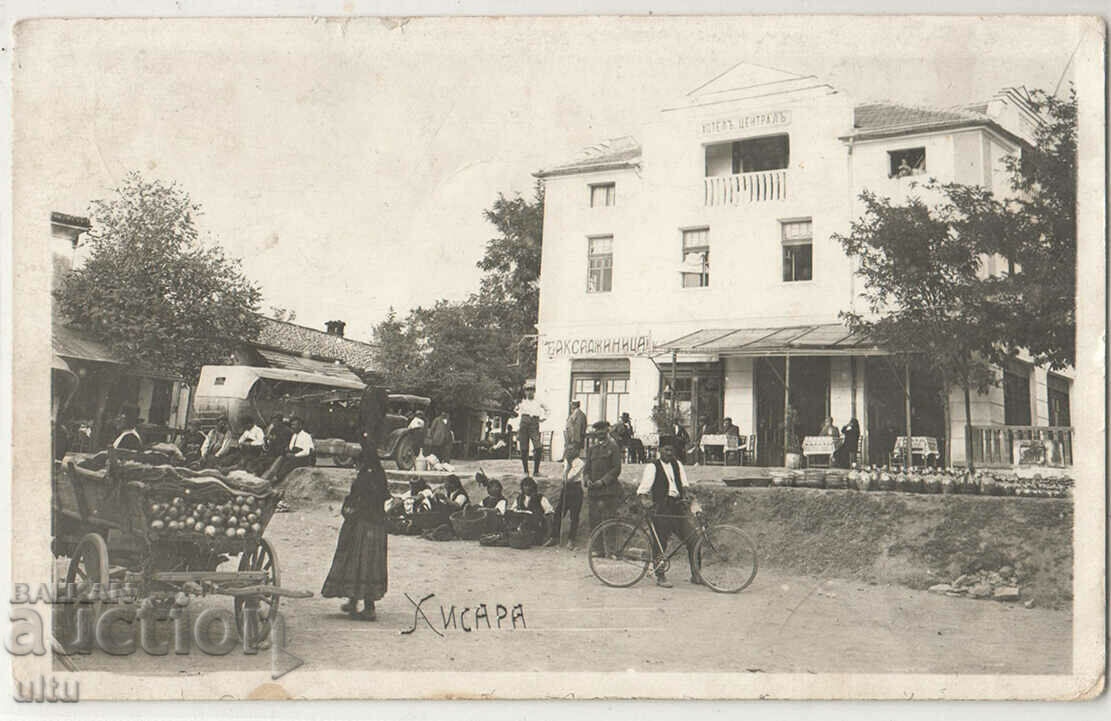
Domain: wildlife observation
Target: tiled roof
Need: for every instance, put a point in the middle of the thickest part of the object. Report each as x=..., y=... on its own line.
x=66, y=219
x=299, y=339
x=878, y=120
x=620, y=152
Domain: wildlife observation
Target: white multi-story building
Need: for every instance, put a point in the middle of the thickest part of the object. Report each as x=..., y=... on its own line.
x=708, y=240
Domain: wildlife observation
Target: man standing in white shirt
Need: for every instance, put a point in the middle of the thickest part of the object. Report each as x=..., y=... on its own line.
x=662, y=491
x=532, y=413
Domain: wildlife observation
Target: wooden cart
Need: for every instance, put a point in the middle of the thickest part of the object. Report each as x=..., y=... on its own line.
x=102, y=523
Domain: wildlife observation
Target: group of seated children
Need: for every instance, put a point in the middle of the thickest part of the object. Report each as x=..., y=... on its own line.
x=529, y=510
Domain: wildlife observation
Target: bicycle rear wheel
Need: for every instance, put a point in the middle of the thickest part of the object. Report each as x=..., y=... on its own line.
x=619, y=553
x=727, y=559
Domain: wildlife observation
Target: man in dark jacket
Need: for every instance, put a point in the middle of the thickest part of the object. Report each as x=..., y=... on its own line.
x=602, y=467
x=438, y=438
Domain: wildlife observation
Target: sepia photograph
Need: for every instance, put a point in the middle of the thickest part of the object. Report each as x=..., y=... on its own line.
x=558, y=357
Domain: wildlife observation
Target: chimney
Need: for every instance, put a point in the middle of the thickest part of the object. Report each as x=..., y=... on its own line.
x=335, y=327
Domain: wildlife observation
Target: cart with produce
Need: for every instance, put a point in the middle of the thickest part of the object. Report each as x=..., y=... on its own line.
x=136, y=528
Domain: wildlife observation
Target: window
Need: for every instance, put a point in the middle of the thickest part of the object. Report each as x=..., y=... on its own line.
x=1016, y=398
x=748, y=156
x=599, y=277
x=601, y=397
x=798, y=250
x=911, y=161
x=1057, y=393
x=602, y=195
x=696, y=258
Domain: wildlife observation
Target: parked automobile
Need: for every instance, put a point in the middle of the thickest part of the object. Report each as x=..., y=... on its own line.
x=329, y=406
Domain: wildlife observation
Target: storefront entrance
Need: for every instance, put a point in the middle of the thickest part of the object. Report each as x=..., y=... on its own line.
x=809, y=380
x=887, y=410
x=698, y=394
x=602, y=387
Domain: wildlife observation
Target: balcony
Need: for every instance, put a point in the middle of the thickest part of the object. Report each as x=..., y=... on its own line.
x=1012, y=445
x=746, y=188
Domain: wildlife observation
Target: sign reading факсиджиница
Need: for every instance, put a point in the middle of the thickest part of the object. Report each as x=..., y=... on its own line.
x=621, y=345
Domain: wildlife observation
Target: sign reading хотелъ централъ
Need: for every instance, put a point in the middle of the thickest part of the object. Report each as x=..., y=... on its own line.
x=613, y=345
x=746, y=122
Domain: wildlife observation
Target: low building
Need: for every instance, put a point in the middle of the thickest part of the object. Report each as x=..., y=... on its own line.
x=282, y=344
x=707, y=244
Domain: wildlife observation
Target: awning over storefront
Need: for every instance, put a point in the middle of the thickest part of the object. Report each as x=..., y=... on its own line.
x=828, y=339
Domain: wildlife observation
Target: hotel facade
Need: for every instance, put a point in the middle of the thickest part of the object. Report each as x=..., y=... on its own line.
x=707, y=241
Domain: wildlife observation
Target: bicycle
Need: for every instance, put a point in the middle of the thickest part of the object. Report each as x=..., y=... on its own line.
x=725, y=556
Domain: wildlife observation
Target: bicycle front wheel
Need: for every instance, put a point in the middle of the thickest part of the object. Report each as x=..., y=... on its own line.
x=619, y=553
x=727, y=559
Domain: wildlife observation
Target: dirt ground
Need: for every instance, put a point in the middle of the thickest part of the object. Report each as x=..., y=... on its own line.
x=781, y=623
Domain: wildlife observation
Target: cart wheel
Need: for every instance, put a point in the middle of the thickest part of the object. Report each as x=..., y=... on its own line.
x=261, y=558
x=88, y=567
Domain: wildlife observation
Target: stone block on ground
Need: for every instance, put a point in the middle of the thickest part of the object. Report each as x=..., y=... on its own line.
x=1006, y=593
x=940, y=588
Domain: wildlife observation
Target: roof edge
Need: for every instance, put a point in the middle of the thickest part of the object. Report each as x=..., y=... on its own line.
x=579, y=170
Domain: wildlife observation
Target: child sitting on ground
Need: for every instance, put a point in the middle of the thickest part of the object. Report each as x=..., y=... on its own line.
x=495, y=500
x=531, y=511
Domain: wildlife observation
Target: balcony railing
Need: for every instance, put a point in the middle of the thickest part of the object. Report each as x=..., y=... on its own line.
x=1002, y=445
x=746, y=188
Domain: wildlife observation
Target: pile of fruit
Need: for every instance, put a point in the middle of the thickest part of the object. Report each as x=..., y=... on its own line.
x=239, y=517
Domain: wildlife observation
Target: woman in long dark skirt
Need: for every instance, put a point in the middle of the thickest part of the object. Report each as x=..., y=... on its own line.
x=359, y=569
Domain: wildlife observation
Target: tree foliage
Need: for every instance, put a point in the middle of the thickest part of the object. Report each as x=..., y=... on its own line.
x=481, y=350
x=1034, y=228
x=151, y=289
x=928, y=292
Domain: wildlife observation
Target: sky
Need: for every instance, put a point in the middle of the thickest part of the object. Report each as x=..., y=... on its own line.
x=348, y=161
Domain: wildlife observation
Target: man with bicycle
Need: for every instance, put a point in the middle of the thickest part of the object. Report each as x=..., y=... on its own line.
x=662, y=493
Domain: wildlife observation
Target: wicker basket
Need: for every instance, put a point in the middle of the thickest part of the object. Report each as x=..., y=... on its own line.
x=470, y=523
x=520, y=539
x=493, y=539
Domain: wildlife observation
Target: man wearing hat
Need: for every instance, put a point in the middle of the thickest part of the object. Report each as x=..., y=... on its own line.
x=602, y=467
x=571, y=494
x=129, y=438
x=663, y=489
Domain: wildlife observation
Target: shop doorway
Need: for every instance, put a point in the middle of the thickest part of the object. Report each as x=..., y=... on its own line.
x=699, y=395
x=768, y=381
x=602, y=397
x=887, y=412
x=809, y=379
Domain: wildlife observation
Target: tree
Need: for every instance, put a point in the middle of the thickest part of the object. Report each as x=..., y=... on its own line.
x=396, y=353
x=151, y=289
x=931, y=300
x=509, y=296
x=475, y=352
x=923, y=289
x=1034, y=230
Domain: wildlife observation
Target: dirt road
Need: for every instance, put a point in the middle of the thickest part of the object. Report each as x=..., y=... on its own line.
x=573, y=623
